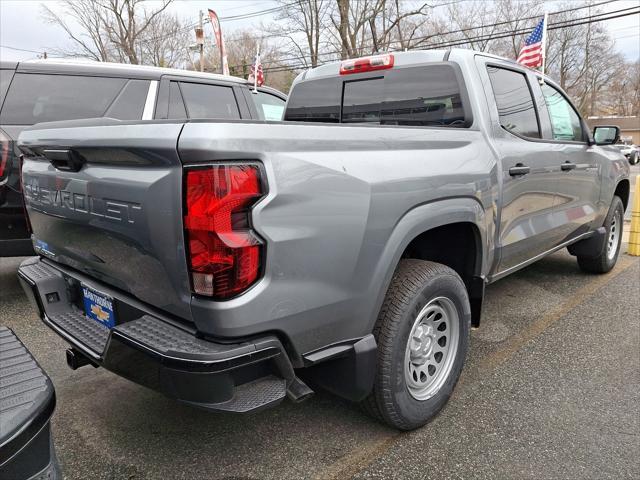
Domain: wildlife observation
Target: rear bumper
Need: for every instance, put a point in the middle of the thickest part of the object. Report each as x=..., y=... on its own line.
x=159, y=352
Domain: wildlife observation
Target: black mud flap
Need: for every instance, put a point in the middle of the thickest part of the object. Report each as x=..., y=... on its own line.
x=590, y=247
x=351, y=373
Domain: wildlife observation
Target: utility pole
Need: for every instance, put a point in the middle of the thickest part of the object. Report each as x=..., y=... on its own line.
x=200, y=41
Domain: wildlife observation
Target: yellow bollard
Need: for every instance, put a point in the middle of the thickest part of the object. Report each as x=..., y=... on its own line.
x=634, y=234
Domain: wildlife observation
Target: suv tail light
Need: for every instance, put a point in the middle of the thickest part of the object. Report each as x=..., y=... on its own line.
x=224, y=253
x=5, y=145
x=367, y=64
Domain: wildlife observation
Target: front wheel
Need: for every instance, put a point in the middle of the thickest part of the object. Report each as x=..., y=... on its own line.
x=606, y=258
x=423, y=337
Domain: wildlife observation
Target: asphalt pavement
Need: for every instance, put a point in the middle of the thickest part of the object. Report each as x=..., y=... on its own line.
x=551, y=390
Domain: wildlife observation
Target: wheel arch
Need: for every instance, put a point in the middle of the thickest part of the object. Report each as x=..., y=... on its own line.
x=622, y=190
x=421, y=233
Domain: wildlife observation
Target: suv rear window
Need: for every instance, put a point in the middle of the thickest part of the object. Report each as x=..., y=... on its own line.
x=34, y=98
x=429, y=95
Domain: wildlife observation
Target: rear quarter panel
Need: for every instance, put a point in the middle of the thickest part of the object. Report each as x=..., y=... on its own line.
x=342, y=204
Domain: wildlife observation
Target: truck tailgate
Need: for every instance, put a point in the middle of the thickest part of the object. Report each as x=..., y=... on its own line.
x=118, y=218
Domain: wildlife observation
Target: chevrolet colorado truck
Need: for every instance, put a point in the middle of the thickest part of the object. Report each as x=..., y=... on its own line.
x=231, y=264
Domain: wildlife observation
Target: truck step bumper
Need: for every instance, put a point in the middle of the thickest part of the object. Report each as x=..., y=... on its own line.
x=27, y=402
x=161, y=353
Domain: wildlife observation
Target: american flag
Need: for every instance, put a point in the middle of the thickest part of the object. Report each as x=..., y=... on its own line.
x=257, y=75
x=531, y=53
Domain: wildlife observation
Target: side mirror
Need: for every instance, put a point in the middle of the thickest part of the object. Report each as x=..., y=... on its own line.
x=606, y=134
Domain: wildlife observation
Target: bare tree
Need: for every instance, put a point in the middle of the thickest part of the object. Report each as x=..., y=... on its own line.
x=91, y=41
x=622, y=94
x=582, y=59
x=109, y=29
x=351, y=20
x=303, y=26
x=395, y=24
x=164, y=42
x=473, y=23
x=515, y=16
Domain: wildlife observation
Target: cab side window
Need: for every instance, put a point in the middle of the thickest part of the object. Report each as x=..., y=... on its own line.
x=516, y=109
x=565, y=122
x=269, y=106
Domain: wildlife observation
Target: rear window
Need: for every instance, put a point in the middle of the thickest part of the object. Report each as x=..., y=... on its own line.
x=415, y=96
x=35, y=98
x=209, y=101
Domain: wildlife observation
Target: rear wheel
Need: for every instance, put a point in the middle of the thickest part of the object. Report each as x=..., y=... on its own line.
x=423, y=337
x=606, y=258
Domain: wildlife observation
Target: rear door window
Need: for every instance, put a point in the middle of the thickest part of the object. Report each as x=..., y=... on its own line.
x=269, y=106
x=34, y=98
x=209, y=101
x=516, y=109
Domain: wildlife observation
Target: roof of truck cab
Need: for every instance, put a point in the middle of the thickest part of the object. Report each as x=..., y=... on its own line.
x=413, y=57
x=89, y=67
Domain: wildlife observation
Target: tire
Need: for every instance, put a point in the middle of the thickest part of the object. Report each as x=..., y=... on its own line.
x=607, y=257
x=419, y=293
x=634, y=157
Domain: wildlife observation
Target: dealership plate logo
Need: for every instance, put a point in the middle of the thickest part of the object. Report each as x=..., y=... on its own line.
x=98, y=307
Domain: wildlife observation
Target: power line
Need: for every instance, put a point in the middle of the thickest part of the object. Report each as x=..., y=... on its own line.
x=21, y=49
x=603, y=16
x=463, y=41
x=558, y=25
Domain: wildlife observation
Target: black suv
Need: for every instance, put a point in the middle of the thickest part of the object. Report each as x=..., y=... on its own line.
x=43, y=91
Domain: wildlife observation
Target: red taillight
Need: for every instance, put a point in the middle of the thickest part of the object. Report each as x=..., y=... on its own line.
x=366, y=64
x=4, y=153
x=224, y=254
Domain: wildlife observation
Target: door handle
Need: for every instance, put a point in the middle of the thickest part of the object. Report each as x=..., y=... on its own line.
x=518, y=170
x=566, y=166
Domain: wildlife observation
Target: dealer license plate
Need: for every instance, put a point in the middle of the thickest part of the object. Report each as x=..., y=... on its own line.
x=98, y=306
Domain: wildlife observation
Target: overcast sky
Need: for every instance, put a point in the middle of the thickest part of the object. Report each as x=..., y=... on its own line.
x=22, y=26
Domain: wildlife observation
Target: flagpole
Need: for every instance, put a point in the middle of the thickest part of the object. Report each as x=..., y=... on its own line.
x=255, y=72
x=544, y=45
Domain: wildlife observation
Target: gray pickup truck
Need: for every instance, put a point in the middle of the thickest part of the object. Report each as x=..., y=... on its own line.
x=231, y=264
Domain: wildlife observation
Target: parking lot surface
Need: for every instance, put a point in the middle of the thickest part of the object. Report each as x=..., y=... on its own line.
x=551, y=389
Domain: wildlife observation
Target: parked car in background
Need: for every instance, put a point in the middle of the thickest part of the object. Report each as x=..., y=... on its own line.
x=214, y=260
x=45, y=90
x=632, y=152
